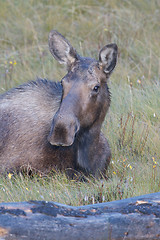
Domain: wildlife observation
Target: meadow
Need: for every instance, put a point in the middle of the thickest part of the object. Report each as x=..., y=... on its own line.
x=132, y=124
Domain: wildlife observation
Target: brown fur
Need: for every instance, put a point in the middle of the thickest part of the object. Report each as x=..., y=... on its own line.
x=48, y=125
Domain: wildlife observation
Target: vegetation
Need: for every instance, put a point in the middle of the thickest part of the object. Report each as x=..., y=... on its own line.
x=132, y=125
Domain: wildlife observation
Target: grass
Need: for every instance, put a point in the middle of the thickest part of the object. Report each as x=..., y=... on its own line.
x=132, y=125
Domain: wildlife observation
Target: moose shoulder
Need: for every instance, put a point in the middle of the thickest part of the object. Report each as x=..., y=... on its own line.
x=48, y=125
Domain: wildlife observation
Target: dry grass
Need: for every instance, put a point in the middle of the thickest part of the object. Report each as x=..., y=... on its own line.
x=133, y=122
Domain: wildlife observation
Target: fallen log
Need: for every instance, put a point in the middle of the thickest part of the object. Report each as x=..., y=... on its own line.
x=132, y=218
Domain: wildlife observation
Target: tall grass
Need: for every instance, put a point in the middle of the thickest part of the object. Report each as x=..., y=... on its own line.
x=132, y=125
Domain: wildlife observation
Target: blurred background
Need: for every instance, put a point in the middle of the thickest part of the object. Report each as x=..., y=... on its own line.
x=132, y=124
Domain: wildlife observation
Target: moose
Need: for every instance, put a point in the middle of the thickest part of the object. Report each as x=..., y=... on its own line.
x=48, y=125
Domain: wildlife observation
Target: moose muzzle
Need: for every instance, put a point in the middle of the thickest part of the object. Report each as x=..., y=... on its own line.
x=63, y=130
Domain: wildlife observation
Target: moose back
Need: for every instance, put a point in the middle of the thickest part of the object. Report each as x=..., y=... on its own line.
x=49, y=125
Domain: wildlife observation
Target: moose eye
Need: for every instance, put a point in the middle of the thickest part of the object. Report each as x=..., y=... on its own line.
x=61, y=82
x=96, y=88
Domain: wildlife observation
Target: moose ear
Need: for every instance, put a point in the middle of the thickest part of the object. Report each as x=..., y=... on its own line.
x=61, y=49
x=108, y=57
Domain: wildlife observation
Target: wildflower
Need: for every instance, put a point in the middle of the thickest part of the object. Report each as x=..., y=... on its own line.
x=13, y=62
x=27, y=189
x=114, y=172
x=128, y=166
x=154, y=161
x=10, y=175
x=139, y=81
x=154, y=166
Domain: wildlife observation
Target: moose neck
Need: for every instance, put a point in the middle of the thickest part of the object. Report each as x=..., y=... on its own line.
x=87, y=143
x=84, y=143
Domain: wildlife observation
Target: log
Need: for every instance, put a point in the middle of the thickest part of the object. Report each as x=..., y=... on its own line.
x=132, y=218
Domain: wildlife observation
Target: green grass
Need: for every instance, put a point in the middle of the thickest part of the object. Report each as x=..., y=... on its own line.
x=132, y=124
